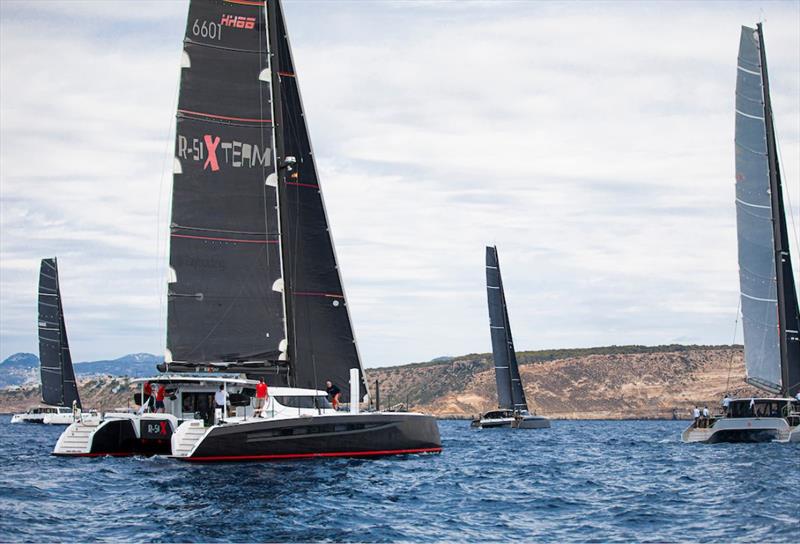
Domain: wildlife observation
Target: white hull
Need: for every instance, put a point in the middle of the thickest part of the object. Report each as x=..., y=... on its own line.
x=745, y=429
x=52, y=415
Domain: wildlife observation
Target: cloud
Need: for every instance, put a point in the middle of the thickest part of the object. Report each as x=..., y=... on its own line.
x=593, y=143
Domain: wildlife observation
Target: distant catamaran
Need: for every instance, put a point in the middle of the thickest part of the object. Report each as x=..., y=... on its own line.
x=513, y=408
x=59, y=389
x=770, y=316
x=254, y=288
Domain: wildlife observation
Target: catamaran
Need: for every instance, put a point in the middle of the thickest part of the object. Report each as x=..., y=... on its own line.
x=254, y=288
x=512, y=407
x=59, y=389
x=770, y=317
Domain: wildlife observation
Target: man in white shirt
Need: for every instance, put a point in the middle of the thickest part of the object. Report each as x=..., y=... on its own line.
x=221, y=399
x=726, y=403
x=696, y=415
x=705, y=411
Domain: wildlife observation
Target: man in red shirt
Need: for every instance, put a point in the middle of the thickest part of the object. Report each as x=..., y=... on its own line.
x=147, y=397
x=261, y=396
x=160, y=399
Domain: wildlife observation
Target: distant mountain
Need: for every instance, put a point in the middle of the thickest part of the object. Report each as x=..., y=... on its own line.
x=20, y=360
x=18, y=369
x=22, y=368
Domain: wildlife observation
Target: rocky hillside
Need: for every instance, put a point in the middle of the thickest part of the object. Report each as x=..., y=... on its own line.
x=614, y=382
x=611, y=382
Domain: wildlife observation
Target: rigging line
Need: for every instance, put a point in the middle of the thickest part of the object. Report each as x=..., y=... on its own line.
x=160, y=269
x=730, y=360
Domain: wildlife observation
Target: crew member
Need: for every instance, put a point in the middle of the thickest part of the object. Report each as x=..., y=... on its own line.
x=221, y=399
x=261, y=396
x=726, y=404
x=706, y=413
x=147, y=397
x=696, y=415
x=333, y=394
x=162, y=390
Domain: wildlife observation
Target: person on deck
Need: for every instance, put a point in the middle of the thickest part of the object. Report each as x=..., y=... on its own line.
x=261, y=397
x=162, y=390
x=333, y=394
x=706, y=415
x=696, y=415
x=726, y=404
x=221, y=400
x=147, y=397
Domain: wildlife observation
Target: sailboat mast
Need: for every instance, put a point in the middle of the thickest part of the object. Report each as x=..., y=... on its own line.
x=281, y=172
x=507, y=331
x=783, y=269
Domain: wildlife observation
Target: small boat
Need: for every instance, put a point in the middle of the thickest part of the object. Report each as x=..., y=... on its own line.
x=513, y=408
x=770, y=316
x=59, y=389
x=254, y=290
x=38, y=414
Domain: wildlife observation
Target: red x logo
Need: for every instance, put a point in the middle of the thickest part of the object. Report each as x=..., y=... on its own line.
x=212, y=152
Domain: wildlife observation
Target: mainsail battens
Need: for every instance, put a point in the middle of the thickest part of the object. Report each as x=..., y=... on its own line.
x=769, y=299
x=322, y=344
x=221, y=306
x=57, y=375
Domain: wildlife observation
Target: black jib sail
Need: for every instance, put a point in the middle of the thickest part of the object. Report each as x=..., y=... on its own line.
x=224, y=246
x=322, y=344
x=769, y=299
x=58, y=377
x=510, y=393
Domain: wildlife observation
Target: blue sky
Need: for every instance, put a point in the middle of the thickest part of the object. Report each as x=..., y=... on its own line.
x=592, y=142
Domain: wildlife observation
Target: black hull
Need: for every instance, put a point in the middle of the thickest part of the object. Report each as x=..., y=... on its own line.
x=749, y=436
x=366, y=435
x=116, y=437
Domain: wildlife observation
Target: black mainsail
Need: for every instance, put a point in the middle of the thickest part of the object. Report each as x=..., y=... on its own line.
x=255, y=283
x=58, y=377
x=224, y=238
x=770, y=315
x=510, y=393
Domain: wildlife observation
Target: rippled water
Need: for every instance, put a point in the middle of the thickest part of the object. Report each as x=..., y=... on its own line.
x=581, y=480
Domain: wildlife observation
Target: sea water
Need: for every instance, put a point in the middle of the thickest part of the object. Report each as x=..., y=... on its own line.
x=591, y=481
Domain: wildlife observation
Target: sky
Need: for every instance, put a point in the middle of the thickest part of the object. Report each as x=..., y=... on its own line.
x=592, y=142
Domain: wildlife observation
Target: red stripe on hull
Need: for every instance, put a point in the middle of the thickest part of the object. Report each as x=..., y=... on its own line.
x=306, y=455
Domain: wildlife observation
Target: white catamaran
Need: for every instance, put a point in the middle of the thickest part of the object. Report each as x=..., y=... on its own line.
x=254, y=288
x=512, y=407
x=770, y=315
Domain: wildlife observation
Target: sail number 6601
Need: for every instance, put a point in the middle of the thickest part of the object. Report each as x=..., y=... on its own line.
x=207, y=29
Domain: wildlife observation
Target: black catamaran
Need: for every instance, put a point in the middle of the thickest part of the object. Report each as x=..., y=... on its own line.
x=254, y=289
x=770, y=316
x=59, y=389
x=513, y=408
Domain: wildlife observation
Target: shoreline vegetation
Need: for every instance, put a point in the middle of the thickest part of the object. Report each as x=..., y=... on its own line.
x=604, y=383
